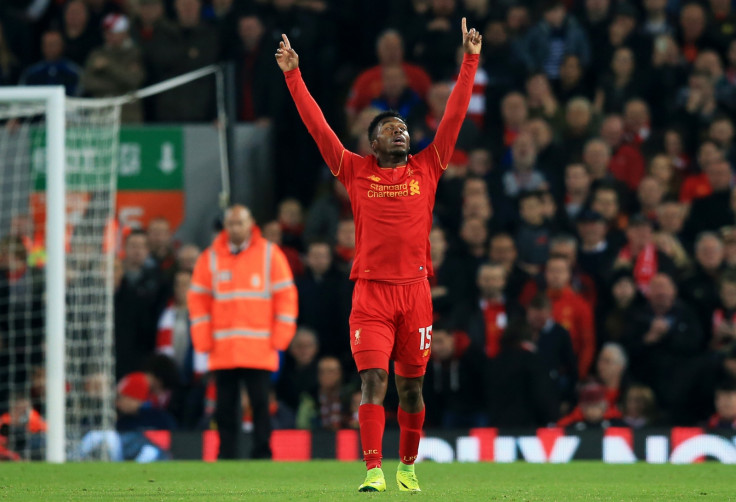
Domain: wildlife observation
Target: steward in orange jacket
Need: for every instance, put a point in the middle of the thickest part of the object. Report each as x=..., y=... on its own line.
x=243, y=308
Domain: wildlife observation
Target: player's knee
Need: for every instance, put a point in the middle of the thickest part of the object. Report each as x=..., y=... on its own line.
x=374, y=381
x=412, y=395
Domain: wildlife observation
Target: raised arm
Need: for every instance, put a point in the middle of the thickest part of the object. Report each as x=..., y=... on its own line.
x=457, y=104
x=329, y=145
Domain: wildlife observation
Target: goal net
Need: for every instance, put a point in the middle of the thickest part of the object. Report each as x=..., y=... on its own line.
x=56, y=271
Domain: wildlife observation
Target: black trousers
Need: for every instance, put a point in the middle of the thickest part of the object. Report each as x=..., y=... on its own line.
x=228, y=412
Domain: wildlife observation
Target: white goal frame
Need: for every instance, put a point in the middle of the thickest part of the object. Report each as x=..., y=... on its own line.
x=53, y=98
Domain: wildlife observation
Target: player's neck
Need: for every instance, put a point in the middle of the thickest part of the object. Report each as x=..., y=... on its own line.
x=391, y=160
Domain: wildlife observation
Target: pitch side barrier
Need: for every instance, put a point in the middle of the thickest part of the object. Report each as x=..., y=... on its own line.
x=617, y=445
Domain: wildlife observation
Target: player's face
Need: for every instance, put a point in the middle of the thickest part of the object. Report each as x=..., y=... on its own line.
x=392, y=137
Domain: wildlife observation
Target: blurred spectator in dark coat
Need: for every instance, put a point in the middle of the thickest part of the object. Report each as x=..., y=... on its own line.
x=713, y=211
x=553, y=345
x=450, y=385
x=502, y=250
x=639, y=407
x=554, y=36
x=596, y=254
x=80, y=37
x=116, y=68
x=188, y=45
x=433, y=41
x=54, y=69
x=664, y=334
x=298, y=376
x=724, y=419
x=259, y=88
x=137, y=305
x=700, y=289
x=617, y=306
x=519, y=391
x=324, y=300
x=9, y=64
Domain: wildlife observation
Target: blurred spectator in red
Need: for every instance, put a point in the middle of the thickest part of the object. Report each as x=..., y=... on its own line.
x=725, y=400
x=713, y=211
x=345, y=246
x=697, y=185
x=425, y=120
x=571, y=311
x=693, y=35
x=627, y=162
x=723, y=318
x=149, y=19
x=142, y=398
x=117, y=68
x=369, y=84
x=514, y=114
x=593, y=412
x=272, y=233
x=640, y=255
x=291, y=219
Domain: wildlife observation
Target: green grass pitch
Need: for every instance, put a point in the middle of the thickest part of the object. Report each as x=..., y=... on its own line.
x=329, y=480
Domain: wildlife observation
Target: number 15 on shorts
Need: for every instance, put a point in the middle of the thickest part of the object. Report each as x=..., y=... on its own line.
x=425, y=337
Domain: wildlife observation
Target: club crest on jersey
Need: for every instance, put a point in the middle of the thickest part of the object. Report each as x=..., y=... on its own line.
x=413, y=187
x=409, y=171
x=375, y=178
x=356, y=336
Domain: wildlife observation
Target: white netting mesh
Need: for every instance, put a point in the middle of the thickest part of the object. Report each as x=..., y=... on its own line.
x=92, y=137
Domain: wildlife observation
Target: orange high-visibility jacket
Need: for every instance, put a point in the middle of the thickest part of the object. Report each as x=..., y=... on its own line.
x=242, y=307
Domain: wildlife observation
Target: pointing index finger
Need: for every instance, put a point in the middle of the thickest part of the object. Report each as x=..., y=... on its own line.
x=465, y=27
x=286, y=40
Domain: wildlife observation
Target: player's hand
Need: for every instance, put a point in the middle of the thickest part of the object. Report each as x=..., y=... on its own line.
x=471, y=39
x=286, y=57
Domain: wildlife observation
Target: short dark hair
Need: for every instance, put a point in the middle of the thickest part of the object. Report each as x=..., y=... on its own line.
x=540, y=302
x=382, y=116
x=136, y=232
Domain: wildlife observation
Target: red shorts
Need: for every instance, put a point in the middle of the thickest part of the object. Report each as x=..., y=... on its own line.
x=391, y=322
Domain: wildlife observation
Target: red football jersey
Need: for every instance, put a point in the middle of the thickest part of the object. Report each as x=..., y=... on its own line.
x=392, y=209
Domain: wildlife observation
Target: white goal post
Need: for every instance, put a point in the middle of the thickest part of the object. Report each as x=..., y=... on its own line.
x=53, y=100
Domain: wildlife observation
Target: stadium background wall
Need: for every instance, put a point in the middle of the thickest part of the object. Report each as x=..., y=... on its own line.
x=615, y=445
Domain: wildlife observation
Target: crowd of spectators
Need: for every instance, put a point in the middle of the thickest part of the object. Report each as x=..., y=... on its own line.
x=584, y=243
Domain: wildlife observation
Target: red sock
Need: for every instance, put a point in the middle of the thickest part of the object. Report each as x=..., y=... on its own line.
x=372, y=419
x=411, y=431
